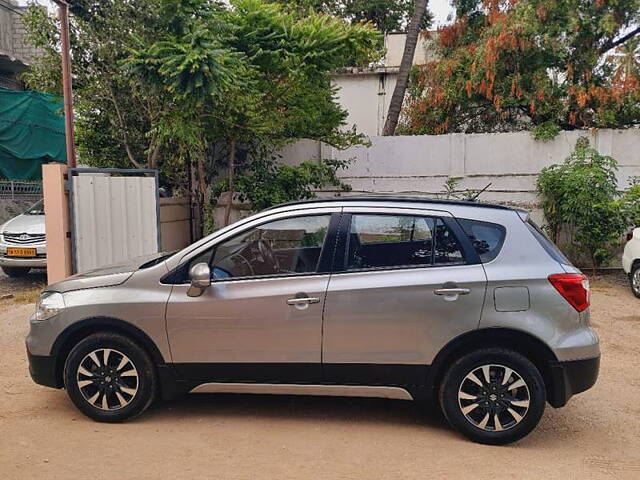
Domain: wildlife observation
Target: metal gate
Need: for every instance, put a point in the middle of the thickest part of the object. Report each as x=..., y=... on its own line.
x=114, y=216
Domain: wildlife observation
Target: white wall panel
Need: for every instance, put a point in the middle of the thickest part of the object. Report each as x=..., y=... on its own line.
x=115, y=219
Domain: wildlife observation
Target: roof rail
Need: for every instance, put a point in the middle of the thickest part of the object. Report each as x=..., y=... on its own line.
x=394, y=198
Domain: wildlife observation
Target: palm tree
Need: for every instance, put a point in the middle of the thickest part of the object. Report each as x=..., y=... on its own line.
x=397, y=98
x=626, y=60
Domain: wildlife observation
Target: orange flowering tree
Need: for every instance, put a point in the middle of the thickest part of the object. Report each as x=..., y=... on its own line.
x=540, y=65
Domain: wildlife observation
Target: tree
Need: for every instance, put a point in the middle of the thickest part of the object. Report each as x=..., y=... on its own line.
x=532, y=64
x=250, y=79
x=385, y=15
x=397, y=98
x=580, y=198
x=116, y=118
x=205, y=91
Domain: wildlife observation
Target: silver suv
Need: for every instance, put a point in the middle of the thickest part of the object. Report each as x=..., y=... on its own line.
x=467, y=304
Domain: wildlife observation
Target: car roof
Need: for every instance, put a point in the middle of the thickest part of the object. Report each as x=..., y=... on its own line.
x=395, y=199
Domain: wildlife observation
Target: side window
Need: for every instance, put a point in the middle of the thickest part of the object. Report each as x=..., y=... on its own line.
x=287, y=246
x=487, y=238
x=378, y=241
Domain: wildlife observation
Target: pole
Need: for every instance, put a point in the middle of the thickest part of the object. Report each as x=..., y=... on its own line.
x=63, y=12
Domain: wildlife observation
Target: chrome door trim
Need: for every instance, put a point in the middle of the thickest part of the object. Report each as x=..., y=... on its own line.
x=397, y=393
x=242, y=225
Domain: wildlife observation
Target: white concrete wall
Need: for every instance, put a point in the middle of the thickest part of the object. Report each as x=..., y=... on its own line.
x=175, y=223
x=509, y=161
x=365, y=93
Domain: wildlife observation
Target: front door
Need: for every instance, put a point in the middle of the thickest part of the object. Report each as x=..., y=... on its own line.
x=261, y=318
x=406, y=289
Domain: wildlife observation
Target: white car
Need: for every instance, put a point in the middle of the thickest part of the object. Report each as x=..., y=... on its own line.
x=631, y=261
x=22, y=242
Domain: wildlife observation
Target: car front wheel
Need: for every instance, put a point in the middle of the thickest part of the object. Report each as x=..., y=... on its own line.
x=109, y=377
x=493, y=396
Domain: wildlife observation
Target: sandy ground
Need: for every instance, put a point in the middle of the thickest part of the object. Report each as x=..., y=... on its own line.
x=240, y=436
x=35, y=279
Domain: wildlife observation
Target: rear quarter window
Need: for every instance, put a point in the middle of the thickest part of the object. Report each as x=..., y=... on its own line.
x=487, y=238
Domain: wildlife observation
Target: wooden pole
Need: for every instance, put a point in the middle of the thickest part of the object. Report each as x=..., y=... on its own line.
x=63, y=12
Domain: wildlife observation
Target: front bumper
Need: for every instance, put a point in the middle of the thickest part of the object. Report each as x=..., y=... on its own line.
x=570, y=378
x=31, y=262
x=43, y=370
x=39, y=261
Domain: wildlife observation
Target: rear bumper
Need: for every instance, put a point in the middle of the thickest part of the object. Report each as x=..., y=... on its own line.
x=570, y=378
x=43, y=370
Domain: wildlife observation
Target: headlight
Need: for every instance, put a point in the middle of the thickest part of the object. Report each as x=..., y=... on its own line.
x=48, y=305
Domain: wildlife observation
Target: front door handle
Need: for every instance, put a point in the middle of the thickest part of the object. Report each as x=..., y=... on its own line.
x=452, y=291
x=303, y=301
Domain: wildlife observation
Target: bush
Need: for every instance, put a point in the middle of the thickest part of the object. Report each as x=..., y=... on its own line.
x=580, y=196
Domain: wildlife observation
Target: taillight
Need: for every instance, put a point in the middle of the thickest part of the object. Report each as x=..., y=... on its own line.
x=629, y=236
x=574, y=287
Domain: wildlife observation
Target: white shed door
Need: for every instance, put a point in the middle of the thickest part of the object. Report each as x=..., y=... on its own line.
x=115, y=219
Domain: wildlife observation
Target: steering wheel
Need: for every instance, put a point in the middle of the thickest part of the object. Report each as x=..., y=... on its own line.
x=267, y=254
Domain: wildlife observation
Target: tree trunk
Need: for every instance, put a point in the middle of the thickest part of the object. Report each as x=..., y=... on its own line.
x=395, y=105
x=230, y=180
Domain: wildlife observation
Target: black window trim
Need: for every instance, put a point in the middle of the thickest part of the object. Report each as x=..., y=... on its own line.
x=178, y=276
x=469, y=254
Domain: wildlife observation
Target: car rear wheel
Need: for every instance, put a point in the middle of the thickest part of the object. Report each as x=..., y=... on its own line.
x=16, y=272
x=493, y=396
x=109, y=377
x=634, y=280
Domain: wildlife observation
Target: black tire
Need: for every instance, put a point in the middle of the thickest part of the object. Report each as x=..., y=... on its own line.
x=16, y=272
x=138, y=374
x=498, y=396
x=635, y=271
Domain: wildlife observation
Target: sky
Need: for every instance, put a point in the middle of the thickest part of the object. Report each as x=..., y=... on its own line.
x=439, y=8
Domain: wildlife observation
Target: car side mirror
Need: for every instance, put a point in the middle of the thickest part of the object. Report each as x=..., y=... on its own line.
x=200, y=276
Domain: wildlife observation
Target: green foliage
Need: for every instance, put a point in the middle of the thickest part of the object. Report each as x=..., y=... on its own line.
x=545, y=131
x=517, y=65
x=217, y=87
x=386, y=15
x=267, y=182
x=452, y=190
x=580, y=197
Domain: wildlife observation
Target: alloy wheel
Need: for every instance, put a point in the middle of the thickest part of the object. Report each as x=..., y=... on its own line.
x=635, y=281
x=107, y=379
x=493, y=397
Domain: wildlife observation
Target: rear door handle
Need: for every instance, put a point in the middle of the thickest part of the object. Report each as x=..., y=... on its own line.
x=452, y=291
x=303, y=301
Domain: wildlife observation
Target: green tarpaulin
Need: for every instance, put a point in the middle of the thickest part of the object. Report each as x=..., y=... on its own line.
x=31, y=133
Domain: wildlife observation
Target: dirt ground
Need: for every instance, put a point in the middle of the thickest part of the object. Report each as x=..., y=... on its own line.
x=261, y=437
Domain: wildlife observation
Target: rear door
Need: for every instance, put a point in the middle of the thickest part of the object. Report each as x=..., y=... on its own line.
x=408, y=283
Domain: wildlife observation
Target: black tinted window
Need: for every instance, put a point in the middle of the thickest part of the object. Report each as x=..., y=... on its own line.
x=487, y=238
x=292, y=245
x=384, y=241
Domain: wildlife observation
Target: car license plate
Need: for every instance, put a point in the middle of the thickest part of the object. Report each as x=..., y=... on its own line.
x=21, y=252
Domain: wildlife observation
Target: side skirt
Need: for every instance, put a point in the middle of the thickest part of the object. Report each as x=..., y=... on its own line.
x=316, y=390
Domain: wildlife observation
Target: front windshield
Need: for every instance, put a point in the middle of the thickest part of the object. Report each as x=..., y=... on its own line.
x=37, y=209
